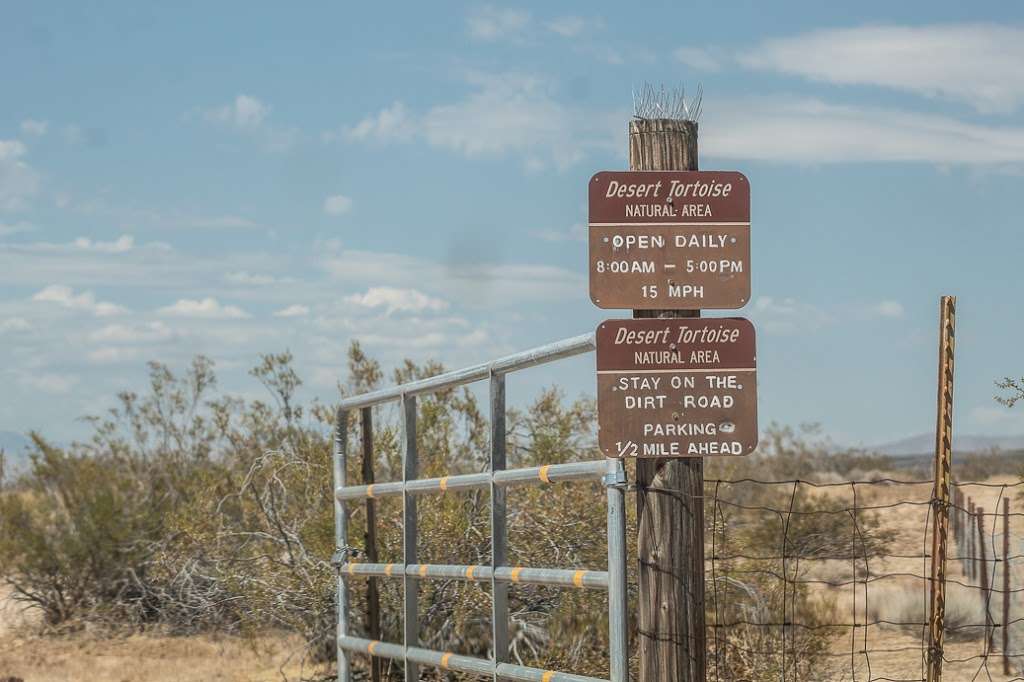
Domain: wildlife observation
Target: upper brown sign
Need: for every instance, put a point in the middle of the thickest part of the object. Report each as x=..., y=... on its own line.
x=682, y=387
x=669, y=239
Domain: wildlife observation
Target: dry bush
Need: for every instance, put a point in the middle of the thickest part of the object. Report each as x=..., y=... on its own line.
x=192, y=511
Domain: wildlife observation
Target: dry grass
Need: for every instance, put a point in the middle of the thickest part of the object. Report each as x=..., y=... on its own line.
x=894, y=651
x=141, y=658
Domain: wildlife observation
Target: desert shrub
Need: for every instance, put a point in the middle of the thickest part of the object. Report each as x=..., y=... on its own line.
x=78, y=532
x=197, y=511
x=900, y=603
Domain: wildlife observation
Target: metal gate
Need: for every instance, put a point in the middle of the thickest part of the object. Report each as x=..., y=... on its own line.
x=498, y=573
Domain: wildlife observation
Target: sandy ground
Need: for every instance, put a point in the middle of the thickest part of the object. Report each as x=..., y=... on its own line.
x=85, y=658
x=903, y=598
x=894, y=653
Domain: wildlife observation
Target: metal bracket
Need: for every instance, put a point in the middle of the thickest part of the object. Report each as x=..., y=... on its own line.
x=341, y=555
x=615, y=479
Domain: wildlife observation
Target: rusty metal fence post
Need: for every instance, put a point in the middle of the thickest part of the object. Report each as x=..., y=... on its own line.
x=986, y=588
x=940, y=494
x=1006, y=586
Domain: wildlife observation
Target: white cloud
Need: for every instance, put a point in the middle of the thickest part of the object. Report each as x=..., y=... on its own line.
x=48, y=383
x=150, y=332
x=7, y=229
x=18, y=181
x=978, y=64
x=296, y=310
x=248, y=114
x=567, y=27
x=397, y=300
x=810, y=131
x=997, y=417
x=337, y=204
x=245, y=112
x=697, y=58
x=784, y=316
x=108, y=355
x=14, y=324
x=123, y=244
x=577, y=232
x=504, y=114
x=249, y=279
x=888, y=308
x=223, y=222
x=209, y=308
x=85, y=301
x=475, y=283
x=491, y=23
x=33, y=127
x=392, y=123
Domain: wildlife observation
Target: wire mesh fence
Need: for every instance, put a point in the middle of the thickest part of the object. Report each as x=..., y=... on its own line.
x=831, y=580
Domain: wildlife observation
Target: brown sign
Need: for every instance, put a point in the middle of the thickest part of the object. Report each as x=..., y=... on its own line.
x=676, y=387
x=669, y=239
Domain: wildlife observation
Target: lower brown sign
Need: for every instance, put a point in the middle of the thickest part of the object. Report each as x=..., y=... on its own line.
x=676, y=387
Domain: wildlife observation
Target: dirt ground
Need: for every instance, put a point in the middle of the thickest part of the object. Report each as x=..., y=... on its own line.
x=895, y=592
x=139, y=658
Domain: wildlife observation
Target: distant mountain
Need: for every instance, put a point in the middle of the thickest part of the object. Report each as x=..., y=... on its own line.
x=15, y=447
x=925, y=443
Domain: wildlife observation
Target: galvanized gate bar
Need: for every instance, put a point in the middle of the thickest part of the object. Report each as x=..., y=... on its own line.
x=611, y=472
x=552, y=473
x=341, y=540
x=410, y=454
x=499, y=528
x=459, y=663
x=618, y=637
x=556, y=577
x=537, y=356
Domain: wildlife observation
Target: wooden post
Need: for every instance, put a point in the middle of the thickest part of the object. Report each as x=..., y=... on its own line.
x=670, y=492
x=986, y=589
x=1006, y=586
x=940, y=492
x=370, y=539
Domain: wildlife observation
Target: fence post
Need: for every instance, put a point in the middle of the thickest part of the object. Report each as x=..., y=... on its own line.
x=410, y=454
x=370, y=540
x=1006, y=586
x=499, y=524
x=972, y=528
x=986, y=591
x=956, y=516
x=618, y=635
x=940, y=493
x=341, y=542
x=670, y=492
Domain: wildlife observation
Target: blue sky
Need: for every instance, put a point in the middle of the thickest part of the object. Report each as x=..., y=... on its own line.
x=237, y=178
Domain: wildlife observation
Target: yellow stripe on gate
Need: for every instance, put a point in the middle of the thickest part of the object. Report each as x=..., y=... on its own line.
x=444, y=484
x=369, y=490
x=515, y=573
x=444, y=660
x=548, y=674
x=352, y=568
x=577, y=578
x=388, y=569
x=423, y=570
x=469, y=572
x=371, y=646
x=543, y=473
